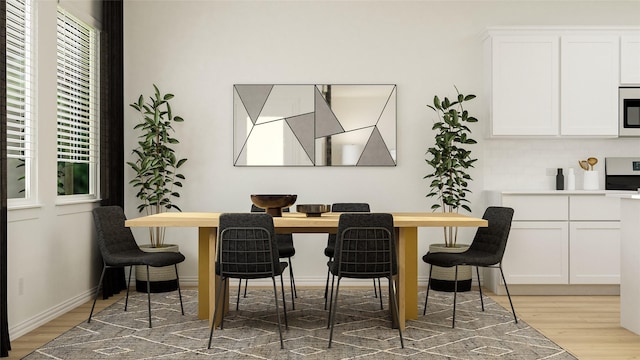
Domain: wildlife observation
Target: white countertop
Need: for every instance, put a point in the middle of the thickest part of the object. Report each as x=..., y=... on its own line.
x=631, y=196
x=567, y=192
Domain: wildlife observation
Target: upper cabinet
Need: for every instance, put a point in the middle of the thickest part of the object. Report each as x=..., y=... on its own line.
x=589, y=68
x=630, y=59
x=554, y=82
x=525, y=85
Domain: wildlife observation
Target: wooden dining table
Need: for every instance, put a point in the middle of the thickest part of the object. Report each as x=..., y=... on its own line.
x=406, y=227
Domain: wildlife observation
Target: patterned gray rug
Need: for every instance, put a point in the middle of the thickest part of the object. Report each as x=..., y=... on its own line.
x=362, y=331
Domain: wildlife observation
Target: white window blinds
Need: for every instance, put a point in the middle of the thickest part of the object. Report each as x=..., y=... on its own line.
x=20, y=142
x=77, y=90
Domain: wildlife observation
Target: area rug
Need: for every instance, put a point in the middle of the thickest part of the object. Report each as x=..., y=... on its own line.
x=362, y=331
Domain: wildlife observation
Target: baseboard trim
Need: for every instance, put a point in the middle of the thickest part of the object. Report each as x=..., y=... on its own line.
x=44, y=317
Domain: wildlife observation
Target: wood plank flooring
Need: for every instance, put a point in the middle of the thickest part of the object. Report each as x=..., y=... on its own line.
x=587, y=326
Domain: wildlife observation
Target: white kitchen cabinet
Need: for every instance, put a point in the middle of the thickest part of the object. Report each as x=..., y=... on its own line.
x=555, y=82
x=537, y=253
x=594, y=252
x=630, y=59
x=560, y=238
x=524, y=85
x=529, y=207
x=589, y=68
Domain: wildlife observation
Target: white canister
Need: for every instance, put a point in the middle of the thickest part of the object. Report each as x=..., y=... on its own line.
x=571, y=180
x=591, y=181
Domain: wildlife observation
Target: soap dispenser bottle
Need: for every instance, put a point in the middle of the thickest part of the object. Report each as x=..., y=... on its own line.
x=559, y=180
x=571, y=180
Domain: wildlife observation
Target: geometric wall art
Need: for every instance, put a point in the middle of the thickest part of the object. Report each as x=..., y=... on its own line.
x=314, y=125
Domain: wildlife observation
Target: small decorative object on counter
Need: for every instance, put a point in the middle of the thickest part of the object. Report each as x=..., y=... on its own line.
x=559, y=180
x=591, y=176
x=591, y=180
x=571, y=180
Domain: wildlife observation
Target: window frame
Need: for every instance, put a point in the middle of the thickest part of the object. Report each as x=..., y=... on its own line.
x=24, y=9
x=94, y=110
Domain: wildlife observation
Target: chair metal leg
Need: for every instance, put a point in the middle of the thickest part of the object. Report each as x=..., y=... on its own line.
x=480, y=287
x=104, y=269
x=224, y=296
x=215, y=312
x=293, y=286
x=426, y=298
x=275, y=294
x=126, y=299
x=326, y=286
x=148, y=295
x=293, y=279
x=238, y=296
x=246, y=283
x=379, y=292
x=394, y=309
x=333, y=309
x=375, y=288
x=179, y=291
x=284, y=304
x=333, y=279
x=455, y=295
x=508, y=295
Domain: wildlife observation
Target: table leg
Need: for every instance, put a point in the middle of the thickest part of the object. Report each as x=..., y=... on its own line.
x=207, y=282
x=205, y=237
x=407, y=282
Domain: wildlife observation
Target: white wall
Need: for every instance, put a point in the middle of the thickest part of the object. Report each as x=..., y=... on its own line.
x=199, y=49
x=53, y=262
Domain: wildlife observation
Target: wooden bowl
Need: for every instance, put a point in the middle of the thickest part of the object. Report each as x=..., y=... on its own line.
x=273, y=203
x=313, y=210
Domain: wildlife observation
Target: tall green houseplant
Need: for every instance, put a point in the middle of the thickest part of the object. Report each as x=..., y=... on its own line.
x=450, y=159
x=156, y=165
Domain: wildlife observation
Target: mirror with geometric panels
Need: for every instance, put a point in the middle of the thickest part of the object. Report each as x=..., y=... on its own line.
x=314, y=125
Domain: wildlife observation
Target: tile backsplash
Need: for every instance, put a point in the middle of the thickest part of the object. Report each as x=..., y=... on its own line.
x=530, y=164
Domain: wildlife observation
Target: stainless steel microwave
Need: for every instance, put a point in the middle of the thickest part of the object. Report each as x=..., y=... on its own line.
x=629, y=111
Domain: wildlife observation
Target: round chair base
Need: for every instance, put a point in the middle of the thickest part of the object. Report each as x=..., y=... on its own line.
x=157, y=286
x=449, y=285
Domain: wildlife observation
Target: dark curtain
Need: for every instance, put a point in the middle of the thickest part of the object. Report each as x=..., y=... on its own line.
x=5, y=345
x=112, y=122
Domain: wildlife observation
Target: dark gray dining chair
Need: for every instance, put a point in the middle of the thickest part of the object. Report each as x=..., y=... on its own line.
x=284, y=243
x=331, y=243
x=365, y=249
x=119, y=249
x=247, y=250
x=486, y=250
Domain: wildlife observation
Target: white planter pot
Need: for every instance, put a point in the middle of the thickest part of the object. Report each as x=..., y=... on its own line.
x=443, y=278
x=162, y=279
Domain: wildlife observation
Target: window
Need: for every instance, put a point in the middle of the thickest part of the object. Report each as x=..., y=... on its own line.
x=77, y=110
x=20, y=144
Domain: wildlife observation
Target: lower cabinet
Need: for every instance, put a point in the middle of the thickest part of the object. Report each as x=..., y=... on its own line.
x=537, y=253
x=594, y=252
x=560, y=239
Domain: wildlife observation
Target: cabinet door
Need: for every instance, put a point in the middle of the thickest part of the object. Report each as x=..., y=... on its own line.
x=594, y=252
x=537, y=207
x=524, y=85
x=594, y=208
x=589, y=68
x=630, y=59
x=537, y=253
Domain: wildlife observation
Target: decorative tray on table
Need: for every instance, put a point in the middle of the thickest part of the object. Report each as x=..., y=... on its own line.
x=313, y=210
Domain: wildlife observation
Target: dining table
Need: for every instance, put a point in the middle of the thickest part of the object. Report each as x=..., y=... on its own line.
x=406, y=226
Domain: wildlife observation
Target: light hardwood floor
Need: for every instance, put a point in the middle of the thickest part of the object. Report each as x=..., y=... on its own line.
x=586, y=326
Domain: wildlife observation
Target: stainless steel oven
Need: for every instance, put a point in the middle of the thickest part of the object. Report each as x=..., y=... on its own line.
x=622, y=173
x=629, y=111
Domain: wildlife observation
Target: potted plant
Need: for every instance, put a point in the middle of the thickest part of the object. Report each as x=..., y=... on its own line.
x=157, y=178
x=450, y=161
